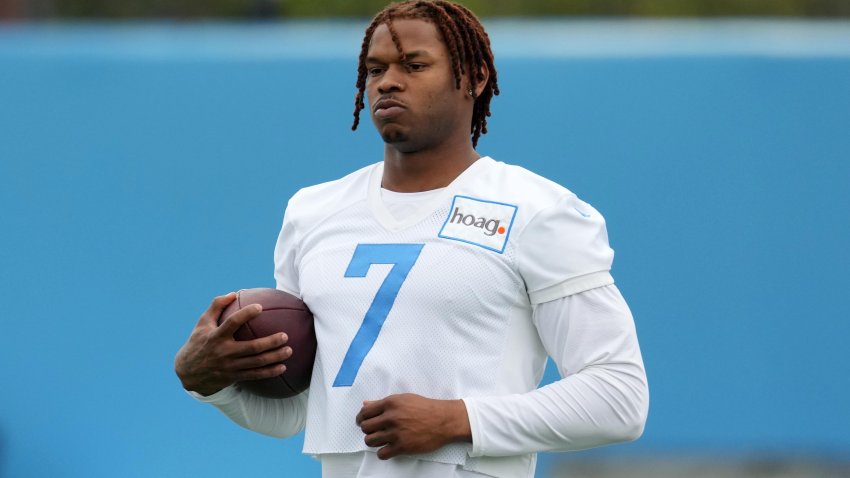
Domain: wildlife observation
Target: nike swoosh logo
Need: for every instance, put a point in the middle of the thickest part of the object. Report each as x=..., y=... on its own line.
x=580, y=212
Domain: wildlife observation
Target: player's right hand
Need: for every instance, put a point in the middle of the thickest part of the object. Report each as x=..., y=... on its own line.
x=212, y=359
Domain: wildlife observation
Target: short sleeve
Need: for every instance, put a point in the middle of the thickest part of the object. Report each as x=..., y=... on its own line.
x=285, y=251
x=564, y=250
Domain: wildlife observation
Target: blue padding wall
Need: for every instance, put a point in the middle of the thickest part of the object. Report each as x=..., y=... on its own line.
x=145, y=169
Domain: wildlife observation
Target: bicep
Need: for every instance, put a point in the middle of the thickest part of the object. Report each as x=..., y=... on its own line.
x=594, y=327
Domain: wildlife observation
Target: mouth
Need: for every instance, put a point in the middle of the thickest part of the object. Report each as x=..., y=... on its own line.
x=388, y=107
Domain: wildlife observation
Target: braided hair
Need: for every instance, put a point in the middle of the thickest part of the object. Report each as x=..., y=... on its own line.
x=465, y=38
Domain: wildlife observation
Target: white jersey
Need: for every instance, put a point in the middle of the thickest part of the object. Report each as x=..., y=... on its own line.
x=438, y=303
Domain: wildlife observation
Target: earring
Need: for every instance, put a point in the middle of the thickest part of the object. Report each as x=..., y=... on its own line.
x=470, y=92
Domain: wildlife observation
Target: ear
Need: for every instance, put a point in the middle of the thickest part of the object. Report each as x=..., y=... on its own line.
x=483, y=78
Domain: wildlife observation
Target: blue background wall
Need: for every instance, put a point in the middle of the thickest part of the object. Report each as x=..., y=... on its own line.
x=145, y=169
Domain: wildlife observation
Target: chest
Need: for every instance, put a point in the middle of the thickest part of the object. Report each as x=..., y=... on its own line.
x=409, y=283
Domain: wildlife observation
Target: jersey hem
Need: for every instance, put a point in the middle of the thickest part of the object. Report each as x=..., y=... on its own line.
x=318, y=454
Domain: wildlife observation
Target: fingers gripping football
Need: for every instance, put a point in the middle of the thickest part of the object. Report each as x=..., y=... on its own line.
x=211, y=359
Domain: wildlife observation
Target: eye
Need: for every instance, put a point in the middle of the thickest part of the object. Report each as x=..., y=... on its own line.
x=415, y=66
x=375, y=71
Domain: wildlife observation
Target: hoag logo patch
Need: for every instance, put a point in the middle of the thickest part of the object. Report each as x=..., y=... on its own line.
x=476, y=221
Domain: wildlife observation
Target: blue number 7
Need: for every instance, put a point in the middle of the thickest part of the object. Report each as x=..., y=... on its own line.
x=403, y=256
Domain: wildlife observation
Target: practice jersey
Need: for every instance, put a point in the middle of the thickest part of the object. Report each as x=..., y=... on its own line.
x=438, y=303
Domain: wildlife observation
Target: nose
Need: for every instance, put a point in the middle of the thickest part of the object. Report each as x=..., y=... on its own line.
x=392, y=80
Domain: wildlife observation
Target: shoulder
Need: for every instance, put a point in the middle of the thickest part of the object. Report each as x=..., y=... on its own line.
x=312, y=204
x=560, y=242
x=529, y=191
x=324, y=194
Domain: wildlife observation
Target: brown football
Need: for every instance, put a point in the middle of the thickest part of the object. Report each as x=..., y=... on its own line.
x=282, y=312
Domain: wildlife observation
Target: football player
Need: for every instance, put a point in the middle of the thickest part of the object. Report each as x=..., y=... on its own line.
x=439, y=281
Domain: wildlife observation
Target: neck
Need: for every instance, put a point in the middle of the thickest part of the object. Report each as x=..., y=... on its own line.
x=427, y=169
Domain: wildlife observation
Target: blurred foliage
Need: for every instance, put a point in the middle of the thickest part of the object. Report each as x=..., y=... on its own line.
x=367, y=8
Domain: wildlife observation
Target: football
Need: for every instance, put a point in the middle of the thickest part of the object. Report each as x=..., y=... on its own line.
x=282, y=312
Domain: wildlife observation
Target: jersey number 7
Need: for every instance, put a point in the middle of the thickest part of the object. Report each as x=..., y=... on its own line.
x=402, y=256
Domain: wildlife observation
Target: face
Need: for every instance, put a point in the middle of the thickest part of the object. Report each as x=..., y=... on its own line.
x=414, y=105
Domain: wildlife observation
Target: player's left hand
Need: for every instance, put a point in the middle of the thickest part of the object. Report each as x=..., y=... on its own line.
x=408, y=424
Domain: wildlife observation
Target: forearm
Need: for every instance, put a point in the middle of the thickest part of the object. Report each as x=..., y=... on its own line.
x=274, y=417
x=597, y=406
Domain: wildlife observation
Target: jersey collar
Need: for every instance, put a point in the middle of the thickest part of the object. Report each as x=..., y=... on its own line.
x=386, y=219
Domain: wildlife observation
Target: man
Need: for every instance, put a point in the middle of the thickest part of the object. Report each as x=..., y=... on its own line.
x=439, y=281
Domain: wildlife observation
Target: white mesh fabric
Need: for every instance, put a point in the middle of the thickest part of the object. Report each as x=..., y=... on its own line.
x=446, y=333
x=443, y=330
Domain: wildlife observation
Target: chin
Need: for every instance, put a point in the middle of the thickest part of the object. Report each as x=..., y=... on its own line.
x=393, y=137
x=402, y=143
x=398, y=139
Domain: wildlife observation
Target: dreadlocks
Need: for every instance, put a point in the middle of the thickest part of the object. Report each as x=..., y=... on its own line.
x=465, y=38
